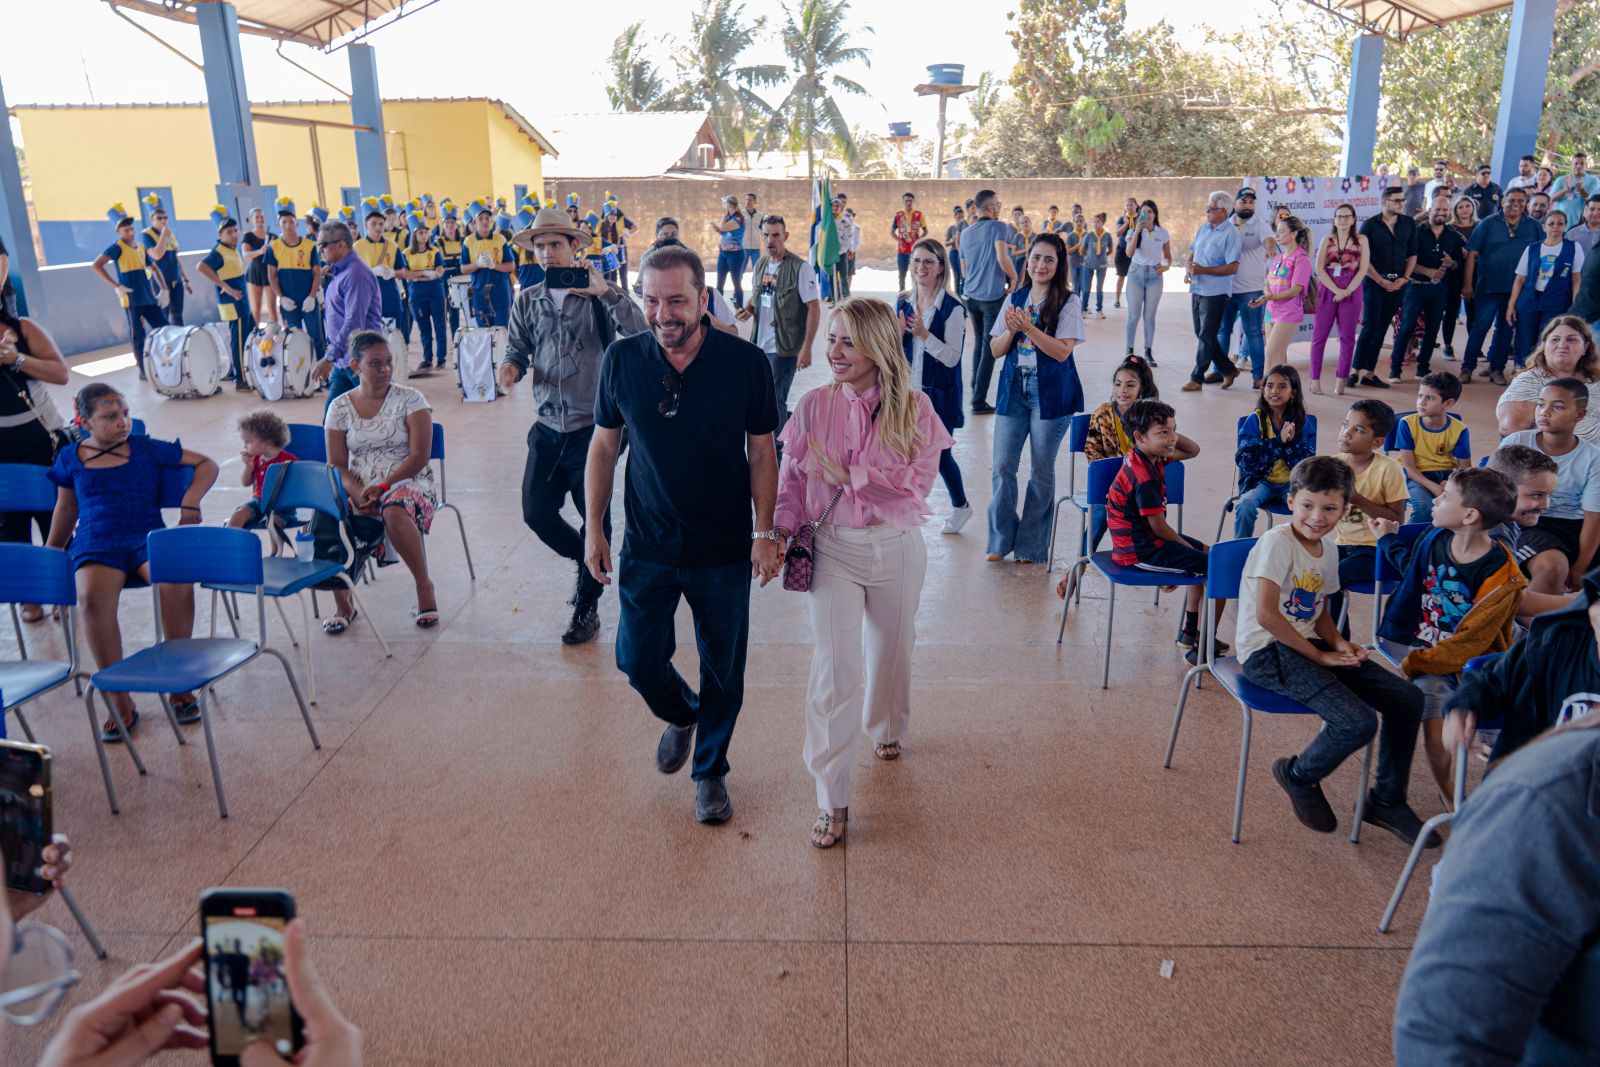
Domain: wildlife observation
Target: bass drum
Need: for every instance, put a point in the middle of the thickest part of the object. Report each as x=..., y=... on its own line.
x=479, y=353
x=459, y=292
x=398, y=349
x=186, y=361
x=281, y=359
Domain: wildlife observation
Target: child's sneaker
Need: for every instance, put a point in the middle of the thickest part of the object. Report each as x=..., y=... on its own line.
x=1399, y=820
x=1310, y=806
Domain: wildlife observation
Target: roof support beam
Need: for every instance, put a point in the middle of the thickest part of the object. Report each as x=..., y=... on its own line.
x=1516, y=131
x=227, y=101
x=366, y=109
x=14, y=228
x=1361, y=114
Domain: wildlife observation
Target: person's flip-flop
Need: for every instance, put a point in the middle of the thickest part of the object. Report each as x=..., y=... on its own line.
x=110, y=735
x=425, y=619
x=186, y=712
x=338, y=624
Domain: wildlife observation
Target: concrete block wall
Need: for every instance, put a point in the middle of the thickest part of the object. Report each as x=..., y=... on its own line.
x=695, y=203
x=83, y=314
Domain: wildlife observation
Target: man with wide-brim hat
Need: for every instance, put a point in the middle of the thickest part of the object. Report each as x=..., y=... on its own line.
x=557, y=339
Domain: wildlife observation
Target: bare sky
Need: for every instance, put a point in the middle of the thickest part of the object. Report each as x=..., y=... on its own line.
x=496, y=48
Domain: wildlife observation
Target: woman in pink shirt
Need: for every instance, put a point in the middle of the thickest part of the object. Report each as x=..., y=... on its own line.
x=859, y=457
x=1288, y=276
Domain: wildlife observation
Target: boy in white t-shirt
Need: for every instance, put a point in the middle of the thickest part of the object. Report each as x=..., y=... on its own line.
x=1288, y=644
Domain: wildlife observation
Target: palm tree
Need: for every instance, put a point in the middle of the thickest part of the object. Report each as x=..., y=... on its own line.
x=636, y=83
x=817, y=42
x=711, y=76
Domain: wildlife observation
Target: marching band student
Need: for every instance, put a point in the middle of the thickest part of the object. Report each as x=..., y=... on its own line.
x=379, y=252
x=486, y=258
x=225, y=268
x=529, y=273
x=424, y=275
x=312, y=222
x=161, y=248
x=448, y=240
x=614, y=227
x=135, y=288
x=252, y=247
x=292, y=263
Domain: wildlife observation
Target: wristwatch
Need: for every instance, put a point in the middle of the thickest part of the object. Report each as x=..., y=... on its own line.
x=765, y=535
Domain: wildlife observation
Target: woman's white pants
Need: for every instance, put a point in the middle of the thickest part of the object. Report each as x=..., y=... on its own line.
x=864, y=595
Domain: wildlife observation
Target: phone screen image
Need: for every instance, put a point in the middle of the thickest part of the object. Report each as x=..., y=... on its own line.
x=24, y=814
x=247, y=982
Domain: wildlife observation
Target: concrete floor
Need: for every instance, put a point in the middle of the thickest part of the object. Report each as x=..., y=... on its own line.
x=494, y=872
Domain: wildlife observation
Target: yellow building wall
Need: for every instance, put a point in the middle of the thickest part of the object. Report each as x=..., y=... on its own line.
x=79, y=162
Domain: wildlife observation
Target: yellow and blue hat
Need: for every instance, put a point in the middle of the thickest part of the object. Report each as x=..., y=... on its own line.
x=285, y=206
x=153, y=202
x=592, y=219
x=447, y=209
x=427, y=199
x=415, y=222
x=371, y=206
x=525, y=215
x=572, y=199
x=478, y=207
x=221, y=219
x=549, y=201
x=387, y=202
x=347, y=214
x=318, y=212
x=117, y=214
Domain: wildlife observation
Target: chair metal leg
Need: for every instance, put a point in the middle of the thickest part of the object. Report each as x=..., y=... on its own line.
x=473, y=575
x=1055, y=526
x=1361, y=795
x=172, y=718
x=1461, y=776
x=100, y=751
x=16, y=626
x=1075, y=573
x=1227, y=509
x=373, y=626
x=277, y=602
x=211, y=753
x=83, y=922
x=1417, y=846
x=1177, y=714
x=1244, y=764
x=305, y=712
x=27, y=731
x=122, y=729
x=311, y=670
x=1111, y=618
x=213, y=615
x=232, y=612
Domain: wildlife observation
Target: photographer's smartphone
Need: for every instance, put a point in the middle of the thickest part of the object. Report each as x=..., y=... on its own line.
x=24, y=814
x=247, y=980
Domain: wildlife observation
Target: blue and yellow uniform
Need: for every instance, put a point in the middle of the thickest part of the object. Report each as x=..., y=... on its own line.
x=166, y=268
x=427, y=304
x=450, y=256
x=529, y=273
x=139, y=302
x=385, y=253
x=229, y=267
x=295, y=267
x=491, y=289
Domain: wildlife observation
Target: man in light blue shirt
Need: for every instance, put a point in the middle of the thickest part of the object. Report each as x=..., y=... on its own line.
x=1213, y=261
x=1572, y=190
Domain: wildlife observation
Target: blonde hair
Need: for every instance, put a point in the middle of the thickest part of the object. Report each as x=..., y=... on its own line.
x=875, y=332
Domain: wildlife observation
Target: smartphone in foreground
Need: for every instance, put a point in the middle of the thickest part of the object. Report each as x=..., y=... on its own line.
x=247, y=983
x=24, y=814
x=566, y=277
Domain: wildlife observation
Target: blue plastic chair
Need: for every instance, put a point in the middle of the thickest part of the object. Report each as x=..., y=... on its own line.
x=1224, y=576
x=24, y=487
x=1391, y=440
x=312, y=486
x=1385, y=580
x=187, y=555
x=1444, y=818
x=1394, y=651
x=436, y=453
x=1102, y=472
x=308, y=442
x=1272, y=509
x=1077, y=441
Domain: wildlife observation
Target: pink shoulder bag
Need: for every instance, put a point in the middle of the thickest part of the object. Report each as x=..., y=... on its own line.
x=798, y=560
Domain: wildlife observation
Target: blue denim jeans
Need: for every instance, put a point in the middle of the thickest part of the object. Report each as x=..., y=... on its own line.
x=783, y=368
x=1251, y=501
x=1144, y=296
x=1255, y=343
x=342, y=380
x=1421, y=499
x=719, y=601
x=1029, y=535
x=1488, y=313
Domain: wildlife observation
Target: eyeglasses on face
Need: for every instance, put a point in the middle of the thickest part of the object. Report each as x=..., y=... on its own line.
x=672, y=382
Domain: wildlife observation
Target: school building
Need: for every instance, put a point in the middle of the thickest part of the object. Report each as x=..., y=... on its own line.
x=461, y=148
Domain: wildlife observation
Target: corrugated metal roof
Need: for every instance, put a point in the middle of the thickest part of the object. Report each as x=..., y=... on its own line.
x=318, y=23
x=525, y=127
x=625, y=144
x=1399, y=19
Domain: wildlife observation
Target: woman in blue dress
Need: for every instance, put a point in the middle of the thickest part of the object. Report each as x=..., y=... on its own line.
x=108, y=500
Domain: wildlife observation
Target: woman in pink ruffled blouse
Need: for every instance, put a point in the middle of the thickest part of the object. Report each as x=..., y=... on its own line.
x=869, y=442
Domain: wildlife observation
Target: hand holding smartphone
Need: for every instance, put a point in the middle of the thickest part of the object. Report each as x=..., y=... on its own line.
x=25, y=815
x=246, y=972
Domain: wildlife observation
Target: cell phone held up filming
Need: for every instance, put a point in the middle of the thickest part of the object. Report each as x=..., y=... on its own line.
x=247, y=976
x=566, y=277
x=25, y=818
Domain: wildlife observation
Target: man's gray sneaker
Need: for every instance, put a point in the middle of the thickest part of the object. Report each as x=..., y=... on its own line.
x=711, y=803
x=673, y=751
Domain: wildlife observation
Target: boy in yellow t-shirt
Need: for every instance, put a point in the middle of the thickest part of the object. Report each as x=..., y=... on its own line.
x=1432, y=442
x=1380, y=492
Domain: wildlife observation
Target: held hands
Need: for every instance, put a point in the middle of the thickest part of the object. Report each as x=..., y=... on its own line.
x=766, y=559
x=143, y=1012
x=1343, y=654
x=331, y=1039
x=597, y=556
x=832, y=472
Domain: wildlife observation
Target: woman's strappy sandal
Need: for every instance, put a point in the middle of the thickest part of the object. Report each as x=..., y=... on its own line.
x=888, y=751
x=828, y=830
x=338, y=624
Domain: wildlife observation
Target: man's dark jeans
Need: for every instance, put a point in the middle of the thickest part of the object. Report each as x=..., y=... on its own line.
x=984, y=314
x=1427, y=301
x=1378, y=309
x=719, y=600
x=553, y=471
x=1207, y=313
x=1488, y=312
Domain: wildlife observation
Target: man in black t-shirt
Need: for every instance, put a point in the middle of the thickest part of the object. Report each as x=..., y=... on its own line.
x=1388, y=237
x=1484, y=193
x=700, y=412
x=1435, y=249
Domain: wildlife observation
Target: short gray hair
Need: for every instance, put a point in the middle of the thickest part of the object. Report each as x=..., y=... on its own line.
x=671, y=256
x=334, y=230
x=361, y=340
x=1221, y=198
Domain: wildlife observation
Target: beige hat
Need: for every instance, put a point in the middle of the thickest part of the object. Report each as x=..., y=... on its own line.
x=548, y=220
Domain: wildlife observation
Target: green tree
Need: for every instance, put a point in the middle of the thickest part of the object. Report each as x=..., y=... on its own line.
x=711, y=76
x=817, y=42
x=1091, y=130
x=636, y=83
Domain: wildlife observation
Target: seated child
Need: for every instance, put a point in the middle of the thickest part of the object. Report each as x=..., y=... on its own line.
x=1272, y=439
x=1380, y=492
x=1289, y=645
x=1534, y=476
x=1562, y=545
x=1457, y=598
x=1432, y=441
x=265, y=438
x=1136, y=513
x=108, y=500
x=1108, y=437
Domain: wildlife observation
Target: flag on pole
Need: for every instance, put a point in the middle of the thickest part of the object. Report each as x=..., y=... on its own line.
x=824, y=235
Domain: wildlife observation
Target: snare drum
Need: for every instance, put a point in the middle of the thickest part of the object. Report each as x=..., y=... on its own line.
x=398, y=349
x=280, y=360
x=459, y=290
x=186, y=361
